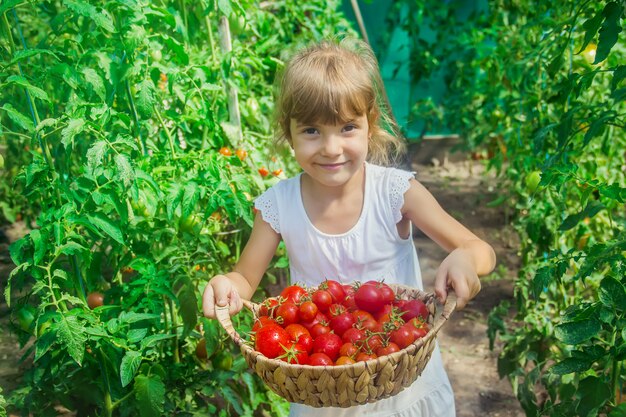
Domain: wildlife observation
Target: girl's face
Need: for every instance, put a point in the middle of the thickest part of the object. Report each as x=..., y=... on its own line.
x=331, y=154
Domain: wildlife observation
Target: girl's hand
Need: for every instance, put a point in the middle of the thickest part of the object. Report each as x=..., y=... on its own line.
x=457, y=271
x=220, y=292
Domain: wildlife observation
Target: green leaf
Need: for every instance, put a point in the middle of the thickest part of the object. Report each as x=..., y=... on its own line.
x=129, y=366
x=597, y=127
x=232, y=397
x=8, y=5
x=145, y=97
x=575, y=332
x=132, y=317
x=96, y=153
x=36, y=92
x=591, y=27
x=152, y=340
x=71, y=334
x=225, y=7
x=95, y=81
x=101, y=19
x=190, y=198
x=103, y=223
x=73, y=128
x=27, y=53
x=592, y=208
x=542, y=280
x=136, y=335
x=125, y=170
x=594, y=392
x=609, y=33
x=45, y=342
x=150, y=394
x=570, y=365
x=188, y=306
x=619, y=411
x=173, y=199
x=618, y=75
x=612, y=293
x=22, y=121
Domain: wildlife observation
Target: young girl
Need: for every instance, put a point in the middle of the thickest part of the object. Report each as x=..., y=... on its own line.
x=346, y=218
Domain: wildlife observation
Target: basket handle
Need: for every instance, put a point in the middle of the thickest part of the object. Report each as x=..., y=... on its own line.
x=448, y=309
x=222, y=314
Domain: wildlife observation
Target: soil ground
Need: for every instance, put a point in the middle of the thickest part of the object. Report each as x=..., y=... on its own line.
x=462, y=188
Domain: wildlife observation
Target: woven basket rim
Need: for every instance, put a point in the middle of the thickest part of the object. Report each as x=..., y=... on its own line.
x=432, y=333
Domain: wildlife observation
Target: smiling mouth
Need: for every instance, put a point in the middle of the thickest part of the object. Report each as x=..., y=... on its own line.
x=332, y=166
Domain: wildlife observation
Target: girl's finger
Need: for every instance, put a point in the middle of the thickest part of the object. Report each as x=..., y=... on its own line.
x=208, y=302
x=461, y=289
x=441, y=285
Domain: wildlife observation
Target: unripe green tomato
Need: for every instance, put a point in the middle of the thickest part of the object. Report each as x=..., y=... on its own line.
x=532, y=181
x=25, y=317
x=156, y=55
x=1, y=161
x=222, y=360
x=191, y=224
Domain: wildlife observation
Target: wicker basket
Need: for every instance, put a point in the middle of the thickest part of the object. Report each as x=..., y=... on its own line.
x=346, y=385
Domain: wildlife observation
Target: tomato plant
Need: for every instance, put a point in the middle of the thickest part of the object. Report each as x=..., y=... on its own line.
x=111, y=133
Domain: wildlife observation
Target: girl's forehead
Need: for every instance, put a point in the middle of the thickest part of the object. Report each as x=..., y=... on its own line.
x=321, y=122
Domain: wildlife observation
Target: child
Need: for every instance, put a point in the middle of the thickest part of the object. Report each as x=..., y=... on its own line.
x=345, y=218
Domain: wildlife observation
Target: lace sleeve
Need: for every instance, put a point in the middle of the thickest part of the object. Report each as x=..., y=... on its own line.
x=266, y=204
x=399, y=184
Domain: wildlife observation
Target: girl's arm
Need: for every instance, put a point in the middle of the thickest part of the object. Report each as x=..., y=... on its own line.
x=240, y=283
x=468, y=255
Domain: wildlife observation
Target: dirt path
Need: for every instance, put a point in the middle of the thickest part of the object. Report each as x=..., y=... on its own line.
x=460, y=187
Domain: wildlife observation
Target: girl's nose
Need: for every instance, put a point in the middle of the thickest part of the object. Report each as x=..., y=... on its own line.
x=332, y=145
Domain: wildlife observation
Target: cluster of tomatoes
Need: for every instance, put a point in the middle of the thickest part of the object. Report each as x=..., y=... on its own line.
x=337, y=324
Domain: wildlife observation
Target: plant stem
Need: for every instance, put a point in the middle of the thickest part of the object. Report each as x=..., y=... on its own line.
x=133, y=110
x=167, y=132
x=174, y=330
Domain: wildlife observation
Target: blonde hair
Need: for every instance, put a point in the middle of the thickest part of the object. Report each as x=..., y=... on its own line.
x=331, y=82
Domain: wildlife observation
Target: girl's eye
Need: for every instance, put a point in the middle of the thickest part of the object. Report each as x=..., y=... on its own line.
x=349, y=128
x=310, y=131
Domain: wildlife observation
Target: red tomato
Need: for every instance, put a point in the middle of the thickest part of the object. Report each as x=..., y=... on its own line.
x=336, y=309
x=293, y=293
x=308, y=311
x=353, y=335
x=301, y=336
x=388, y=349
x=402, y=337
x=320, y=359
x=263, y=171
x=226, y=151
x=420, y=327
x=328, y=343
x=263, y=321
x=335, y=289
x=272, y=341
x=362, y=356
x=389, y=296
x=268, y=306
x=369, y=298
x=415, y=308
x=386, y=310
x=341, y=322
x=361, y=315
x=322, y=300
x=319, y=329
x=348, y=349
x=287, y=313
x=372, y=343
x=296, y=354
x=344, y=360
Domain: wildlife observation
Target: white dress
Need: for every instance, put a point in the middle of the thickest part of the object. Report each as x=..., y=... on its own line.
x=371, y=250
